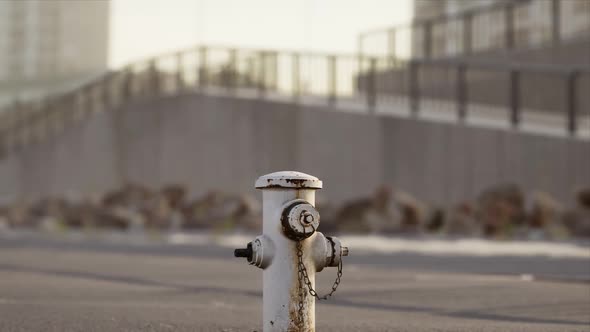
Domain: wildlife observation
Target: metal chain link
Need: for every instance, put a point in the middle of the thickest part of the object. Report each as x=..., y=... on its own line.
x=303, y=276
x=302, y=294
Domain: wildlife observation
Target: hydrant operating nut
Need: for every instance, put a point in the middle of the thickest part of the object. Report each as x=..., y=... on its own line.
x=299, y=220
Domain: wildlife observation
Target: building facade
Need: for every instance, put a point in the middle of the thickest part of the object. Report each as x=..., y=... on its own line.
x=47, y=46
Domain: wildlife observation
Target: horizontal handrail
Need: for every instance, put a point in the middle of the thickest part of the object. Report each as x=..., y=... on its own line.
x=508, y=66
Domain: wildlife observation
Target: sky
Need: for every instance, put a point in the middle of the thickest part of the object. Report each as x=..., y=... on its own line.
x=143, y=28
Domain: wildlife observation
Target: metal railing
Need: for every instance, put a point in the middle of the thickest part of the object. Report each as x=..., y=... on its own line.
x=459, y=91
x=503, y=26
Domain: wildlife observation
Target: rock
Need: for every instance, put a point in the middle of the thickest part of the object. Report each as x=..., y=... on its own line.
x=545, y=218
x=500, y=209
x=19, y=215
x=373, y=214
x=412, y=213
x=436, y=221
x=223, y=211
x=4, y=224
x=583, y=199
x=461, y=221
x=577, y=220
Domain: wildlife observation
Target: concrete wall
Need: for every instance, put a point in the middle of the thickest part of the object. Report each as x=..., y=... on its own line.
x=448, y=163
x=224, y=143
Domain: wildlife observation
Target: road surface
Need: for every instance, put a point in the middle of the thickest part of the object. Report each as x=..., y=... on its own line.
x=50, y=283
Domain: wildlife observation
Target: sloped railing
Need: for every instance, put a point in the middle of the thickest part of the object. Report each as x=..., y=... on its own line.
x=365, y=84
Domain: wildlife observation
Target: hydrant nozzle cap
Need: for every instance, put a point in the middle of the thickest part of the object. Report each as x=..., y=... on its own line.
x=288, y=179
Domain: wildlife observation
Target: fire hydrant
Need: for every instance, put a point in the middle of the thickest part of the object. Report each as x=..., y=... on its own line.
x=291, y=251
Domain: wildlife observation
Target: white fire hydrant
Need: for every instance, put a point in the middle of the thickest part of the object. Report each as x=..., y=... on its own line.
x=291, y=251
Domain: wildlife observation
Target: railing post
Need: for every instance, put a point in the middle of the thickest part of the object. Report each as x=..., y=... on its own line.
x=274, y=70
x=427, y=46
x=332, y=80
x=30, y=125
x=509, y=26
x=555, y=21
x=12, y=115
x=3, y=132
x=4, y=129
x=414, y=85
x=43, y=108
x=372, y=85
x=572, y=103
x=514, y=94
x=391, y=43
x=62, y=111
x=154, y=77
x=33, y=128
x=53, y=114
x=262, y=74
x=179, y=72
x=44, y=111
x=20, y=120
x=15, y=123
x=56, y=110
x=88, y=101
x=296, y=76
x=106, y=92
x=461, y=93
x=202, y=71
x=250, y=73
x=361, y=52
x=467, y=34
x=69, y=107
x=232, y=70
x=80, y=108
x=127, y=90
x=41, y=126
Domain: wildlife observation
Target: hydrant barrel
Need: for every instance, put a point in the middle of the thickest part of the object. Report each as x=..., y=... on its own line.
x=281, y=287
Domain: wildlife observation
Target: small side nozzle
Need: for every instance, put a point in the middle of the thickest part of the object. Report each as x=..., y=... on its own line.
x=246, y=253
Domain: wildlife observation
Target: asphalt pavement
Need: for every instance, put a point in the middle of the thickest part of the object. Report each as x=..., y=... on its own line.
x=56, y=284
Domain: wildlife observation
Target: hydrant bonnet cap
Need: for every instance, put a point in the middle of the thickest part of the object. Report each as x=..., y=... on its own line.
x=288, y=179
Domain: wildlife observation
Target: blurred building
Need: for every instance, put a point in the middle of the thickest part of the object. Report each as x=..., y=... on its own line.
x=47, y=46
x=425, y=9
x=532, y=23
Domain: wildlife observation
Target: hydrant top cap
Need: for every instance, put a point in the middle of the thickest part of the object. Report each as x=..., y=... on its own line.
x=288, y=179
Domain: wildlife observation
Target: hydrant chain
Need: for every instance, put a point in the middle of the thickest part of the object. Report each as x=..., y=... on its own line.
x=302, y=273
x=301, y=292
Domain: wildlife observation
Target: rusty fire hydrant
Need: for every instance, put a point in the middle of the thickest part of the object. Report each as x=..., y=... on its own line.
x=291, y=251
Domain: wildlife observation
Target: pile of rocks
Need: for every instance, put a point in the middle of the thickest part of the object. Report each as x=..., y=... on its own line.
x=503, y=211
x=137, y=207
